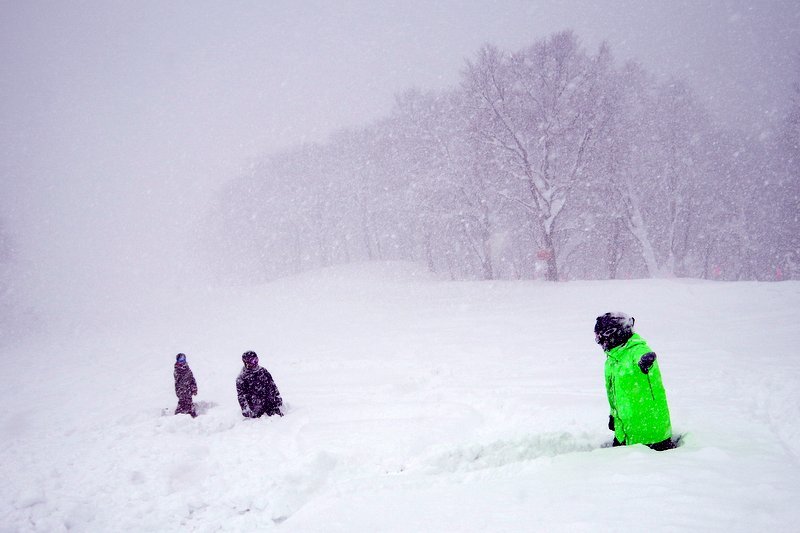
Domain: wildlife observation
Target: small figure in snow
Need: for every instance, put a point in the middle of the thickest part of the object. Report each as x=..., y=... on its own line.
x=258, y=394
x=185, y=386
x=639, y=412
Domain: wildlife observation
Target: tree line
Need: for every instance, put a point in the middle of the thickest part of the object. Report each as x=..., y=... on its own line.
x=551, y=162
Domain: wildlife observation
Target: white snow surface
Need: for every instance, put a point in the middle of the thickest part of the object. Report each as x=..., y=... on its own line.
x=413, y=404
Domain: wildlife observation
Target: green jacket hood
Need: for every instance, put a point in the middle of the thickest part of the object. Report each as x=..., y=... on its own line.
x=634, y=344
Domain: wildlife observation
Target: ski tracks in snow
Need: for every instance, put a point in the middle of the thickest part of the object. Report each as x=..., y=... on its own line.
x=503, y=453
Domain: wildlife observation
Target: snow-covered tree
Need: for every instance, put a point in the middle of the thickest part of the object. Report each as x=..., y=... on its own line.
x=789, y=222
x=547, y=162
x=540, y=109
x=9, y=307
x=449, y=184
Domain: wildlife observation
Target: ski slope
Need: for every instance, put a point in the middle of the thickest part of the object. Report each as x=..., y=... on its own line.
x=414, y=404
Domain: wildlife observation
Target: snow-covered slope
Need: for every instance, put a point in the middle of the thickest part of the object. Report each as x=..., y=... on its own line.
x=414, y=404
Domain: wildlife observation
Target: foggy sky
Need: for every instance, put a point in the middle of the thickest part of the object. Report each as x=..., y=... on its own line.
x=119, y=120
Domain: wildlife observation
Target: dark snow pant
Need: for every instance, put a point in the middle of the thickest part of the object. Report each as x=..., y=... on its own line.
x=185, y=406
x=260, y=413
x=665, y=444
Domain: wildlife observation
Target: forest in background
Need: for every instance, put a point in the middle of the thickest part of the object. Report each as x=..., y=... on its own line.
x=551, y=162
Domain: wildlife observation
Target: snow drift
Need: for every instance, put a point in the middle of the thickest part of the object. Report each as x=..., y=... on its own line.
x=413, y=405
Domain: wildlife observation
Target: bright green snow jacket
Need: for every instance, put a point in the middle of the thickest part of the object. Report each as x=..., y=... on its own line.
x=638, y=401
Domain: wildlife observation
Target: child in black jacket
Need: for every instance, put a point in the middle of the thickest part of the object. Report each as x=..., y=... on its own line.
x=258, y=395
x=185, y=386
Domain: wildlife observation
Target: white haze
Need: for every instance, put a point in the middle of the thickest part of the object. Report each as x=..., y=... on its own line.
x=119, y=120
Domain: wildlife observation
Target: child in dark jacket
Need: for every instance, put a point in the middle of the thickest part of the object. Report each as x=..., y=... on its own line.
x=185, y=386
x=258, y=395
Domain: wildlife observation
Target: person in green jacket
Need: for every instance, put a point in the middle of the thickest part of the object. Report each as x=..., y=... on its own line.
x=639, y=411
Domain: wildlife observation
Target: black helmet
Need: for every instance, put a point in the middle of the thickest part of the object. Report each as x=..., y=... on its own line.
x=613, y=329
x=250, y=359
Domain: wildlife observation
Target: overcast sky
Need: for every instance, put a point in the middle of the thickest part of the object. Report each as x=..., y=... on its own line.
x=118, y=119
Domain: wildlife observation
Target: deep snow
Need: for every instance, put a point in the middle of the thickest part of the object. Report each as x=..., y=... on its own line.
x=413, y=405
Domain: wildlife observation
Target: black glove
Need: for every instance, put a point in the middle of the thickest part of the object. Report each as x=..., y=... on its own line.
x=611, y=422
x=646, y=362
